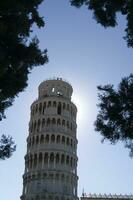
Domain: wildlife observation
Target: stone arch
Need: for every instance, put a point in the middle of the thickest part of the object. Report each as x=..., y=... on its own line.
x=74, y=114
x=43, y=122
x=48, y=121
x=44, y=197
x=58, y=139
x=35, y=126
x=51, y=175
x=74, y=144
x=38, y=175
x=67, y=141
x=59, y=108
x=37, y=140
x=29, y=177
x=32, y=111
x=29, y=142
x=71, y=126
x=57, y=176
x=62, y=177
x=63, y=122
x=51, y=158
x=40, y=159
x=56, y=198
x=64, y=106
x=62, y=158
x=71, y=179
x=49, y=104
x=50, y=197
x=71, y=143
x=54, y=104
x=67, y=124
x=71, y=161
x=38, y=125
x=52, y=138
x=58, y=122
x=67, y=160
x=45, y=175
x=67, y=178
x=63, y=140
x=31, y=161
x=33, y=176
x=44, y=107
x=74, y=162
x=40, y=108
x=68, y=107
x=31, y=129
x=47, y=139
x=35, y=160
x=74, y=128
x=36, y=108
x=28, y=162
x=26, y=159
x=37, y=197
x=42, y=139
x=57, y=158
x=53, y=121
x=33, y=140
x=46, y=158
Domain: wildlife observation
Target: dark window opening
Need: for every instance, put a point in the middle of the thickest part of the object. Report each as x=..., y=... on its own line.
x=59, y=109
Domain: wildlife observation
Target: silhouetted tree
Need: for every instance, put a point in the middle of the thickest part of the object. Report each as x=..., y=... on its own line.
x=7, y=147
x=115, y=118
x=105, y=12
x=19, y=53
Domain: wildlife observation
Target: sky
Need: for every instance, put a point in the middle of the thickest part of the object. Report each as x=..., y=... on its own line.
x=86, y=55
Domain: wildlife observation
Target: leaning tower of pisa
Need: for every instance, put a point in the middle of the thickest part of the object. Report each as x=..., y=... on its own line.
x=51, y=158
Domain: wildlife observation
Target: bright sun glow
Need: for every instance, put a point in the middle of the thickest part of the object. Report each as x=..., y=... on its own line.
x=82, y=107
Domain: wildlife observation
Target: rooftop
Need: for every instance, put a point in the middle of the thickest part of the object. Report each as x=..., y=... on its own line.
x=106, y=196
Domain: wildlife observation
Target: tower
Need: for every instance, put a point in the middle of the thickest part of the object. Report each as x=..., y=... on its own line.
x=51, y=158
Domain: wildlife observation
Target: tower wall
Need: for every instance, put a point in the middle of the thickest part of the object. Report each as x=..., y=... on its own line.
x=51, y=158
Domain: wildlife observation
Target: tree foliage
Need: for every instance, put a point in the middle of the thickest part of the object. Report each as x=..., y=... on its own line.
x=115, y=117
x=7, y=147
x=18, y=53
x=105, y=12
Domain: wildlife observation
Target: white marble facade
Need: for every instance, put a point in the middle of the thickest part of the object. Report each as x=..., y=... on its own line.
x=51, y=159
